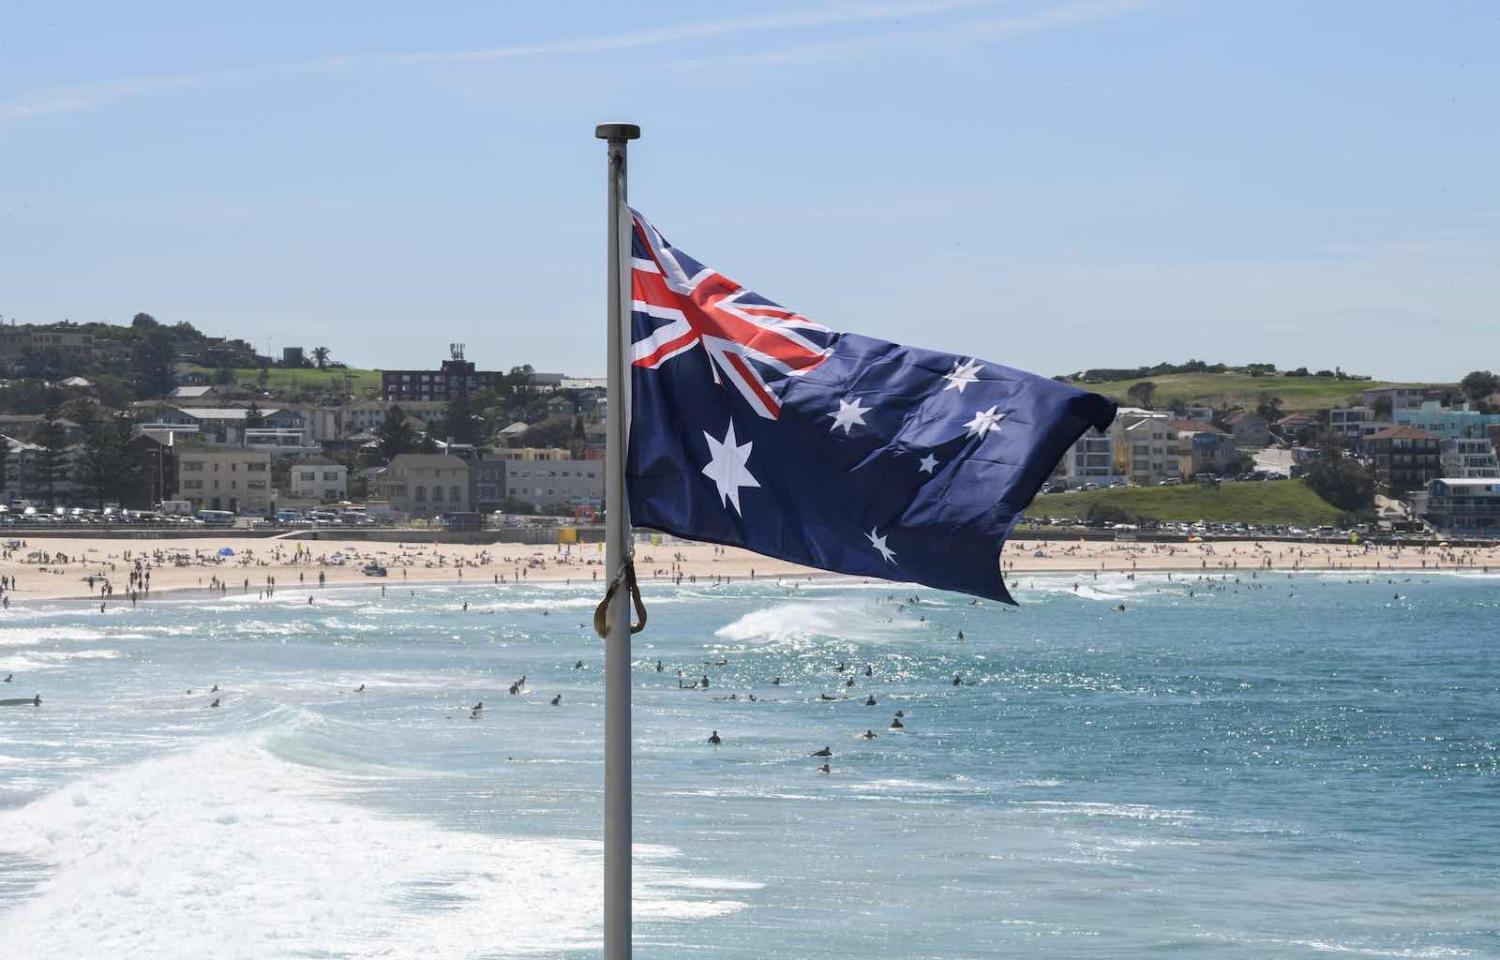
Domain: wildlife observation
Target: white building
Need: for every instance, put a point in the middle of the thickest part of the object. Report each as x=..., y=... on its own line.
x=426, y=484
x=1090, y=460
x=1470, y=458
x=318, y=478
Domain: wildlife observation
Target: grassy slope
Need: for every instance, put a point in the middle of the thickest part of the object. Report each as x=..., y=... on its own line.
x=1298, y=394
x=1279, y=501
x=283, y=379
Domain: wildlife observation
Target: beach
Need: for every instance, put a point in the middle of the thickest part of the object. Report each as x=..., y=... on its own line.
x=58, y=568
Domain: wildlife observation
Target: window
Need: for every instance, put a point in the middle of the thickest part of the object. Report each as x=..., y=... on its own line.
x=255, y=484
x=420, y=493
x=454, y=495
x=437, y=493
x=192, y=484
x=192, y=466
x=330, y=475
x=308, y=475
x=255, y=467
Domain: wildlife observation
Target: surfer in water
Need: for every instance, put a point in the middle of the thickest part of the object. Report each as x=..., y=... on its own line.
x=825, y=752
x=825, y=768
x=896, y=724
x=360, y=689
x=870, y=700
x=557, y=700
x=869, y=735
x=215, y=703
x=9, y=677
x=713, y=738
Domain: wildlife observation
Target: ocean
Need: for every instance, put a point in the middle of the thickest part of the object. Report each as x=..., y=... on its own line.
x=1275, y=766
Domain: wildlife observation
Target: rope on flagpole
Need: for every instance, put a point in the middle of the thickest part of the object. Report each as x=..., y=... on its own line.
x=625, y=576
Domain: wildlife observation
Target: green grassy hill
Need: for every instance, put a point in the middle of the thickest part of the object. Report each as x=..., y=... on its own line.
x=290, y=380
x=1269, y=502
x=1298, y=394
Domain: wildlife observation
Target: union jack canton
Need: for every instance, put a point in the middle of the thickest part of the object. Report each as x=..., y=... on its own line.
x=755, y=427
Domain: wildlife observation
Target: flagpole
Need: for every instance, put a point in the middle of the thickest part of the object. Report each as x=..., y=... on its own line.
x=617, y=838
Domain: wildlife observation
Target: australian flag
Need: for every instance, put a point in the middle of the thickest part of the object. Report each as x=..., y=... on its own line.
x=755, y=427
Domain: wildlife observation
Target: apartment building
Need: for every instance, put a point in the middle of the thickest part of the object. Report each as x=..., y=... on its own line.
x=225, y=478
x=426, y=485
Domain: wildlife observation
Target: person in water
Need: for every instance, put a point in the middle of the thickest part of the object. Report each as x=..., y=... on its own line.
x=870, y=700
x=896, y=724
x=825, y=768
x=360, y=689
x=713, y=738
x=9, y=677
x=869, y=735
x=215, y=703
x=825, y=752
x=557, y=700
x=36, y=701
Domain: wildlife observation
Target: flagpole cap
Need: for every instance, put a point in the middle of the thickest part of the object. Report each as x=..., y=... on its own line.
x=617, y=131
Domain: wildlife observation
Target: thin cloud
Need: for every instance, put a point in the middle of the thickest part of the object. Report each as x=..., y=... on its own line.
x=90, y=96
x=1059, y=17
x=829, y=16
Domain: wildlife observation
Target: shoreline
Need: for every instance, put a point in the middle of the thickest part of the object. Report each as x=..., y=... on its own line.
x=56, y=569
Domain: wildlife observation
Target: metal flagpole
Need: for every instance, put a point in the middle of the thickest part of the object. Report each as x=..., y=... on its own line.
x=617, y=873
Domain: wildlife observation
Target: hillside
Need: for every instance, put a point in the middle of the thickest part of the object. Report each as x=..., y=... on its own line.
x=1298, y=394
x=1269, y=502
x=291, y=381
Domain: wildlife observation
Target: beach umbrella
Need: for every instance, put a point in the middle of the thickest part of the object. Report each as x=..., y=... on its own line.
x=226, y=551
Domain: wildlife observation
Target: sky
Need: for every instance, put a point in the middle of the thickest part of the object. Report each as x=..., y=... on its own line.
x=1048, y=184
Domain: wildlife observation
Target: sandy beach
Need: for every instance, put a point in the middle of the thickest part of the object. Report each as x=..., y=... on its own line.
x=82, y=568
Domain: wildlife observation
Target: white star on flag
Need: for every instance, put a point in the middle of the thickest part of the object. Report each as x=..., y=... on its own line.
x=849, y=414
x=928, y=464
x=878, y=542
x=726, y=467
x=963, y=374
x=984, y=421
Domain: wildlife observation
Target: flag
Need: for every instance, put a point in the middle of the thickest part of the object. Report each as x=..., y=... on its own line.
x=755, y=427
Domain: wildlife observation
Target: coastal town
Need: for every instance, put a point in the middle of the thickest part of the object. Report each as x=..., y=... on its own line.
x=151, y=423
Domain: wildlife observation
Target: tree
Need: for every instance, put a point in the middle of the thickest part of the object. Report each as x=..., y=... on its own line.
x=1268, y=408
x=152, y=363
x=1341, y=481
x=460, y=423
x=1478, y=385
x=320, y=357
x=254, y=417
x=1141, y=394
x=104, y=467
x=52, y=457
x=395, y=436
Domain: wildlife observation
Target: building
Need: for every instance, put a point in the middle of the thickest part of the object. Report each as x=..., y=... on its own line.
x=1089, y=460
x=455, y=377
x=1469, y=458
x=1354, y=424
x=1298, y=426
x=1203, y=448
x=1404, y=457
x=1249, y=429
x=541, y=482
x=426, y=484
x=1399, y=398
x=318, y=478
x=1466, y=506
x=1448, y=423
x=225, y=478
x=1146, y=450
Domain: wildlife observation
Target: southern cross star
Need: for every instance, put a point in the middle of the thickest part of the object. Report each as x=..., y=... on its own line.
x=928, y=464
x=984, y=421
x=726, y=467
x=849, y=414
x=963, y=374
x=878, y=542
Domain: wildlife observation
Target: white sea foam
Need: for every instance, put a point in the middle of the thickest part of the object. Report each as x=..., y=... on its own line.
x=226, y=844
x=53, y=659
x=797, y=622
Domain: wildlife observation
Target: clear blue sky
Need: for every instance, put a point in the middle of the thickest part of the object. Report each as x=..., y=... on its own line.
x=1054, y=184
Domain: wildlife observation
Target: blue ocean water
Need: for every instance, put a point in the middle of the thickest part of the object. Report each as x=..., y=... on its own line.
x=1273, y=767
